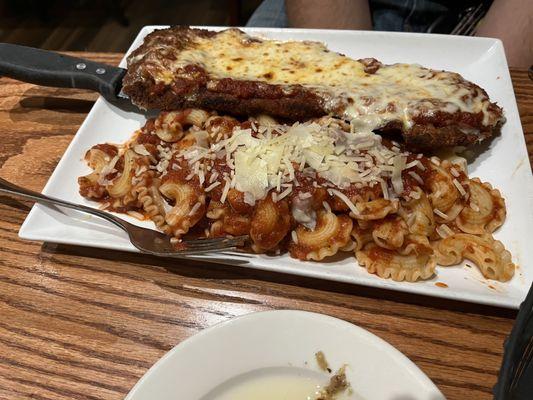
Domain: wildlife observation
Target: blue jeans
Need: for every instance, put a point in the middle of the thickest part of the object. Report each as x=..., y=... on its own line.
x=387, y=15
x=270, y=14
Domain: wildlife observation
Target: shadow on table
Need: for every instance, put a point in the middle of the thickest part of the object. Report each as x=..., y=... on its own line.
x=14, y=203
x=39, y=98
x=219, y=272
x=66, y=101
x=63, y=104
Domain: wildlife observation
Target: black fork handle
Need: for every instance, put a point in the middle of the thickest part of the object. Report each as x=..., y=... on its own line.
x=48, y=68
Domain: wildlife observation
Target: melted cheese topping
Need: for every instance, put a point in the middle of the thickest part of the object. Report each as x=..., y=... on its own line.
x=395, y=92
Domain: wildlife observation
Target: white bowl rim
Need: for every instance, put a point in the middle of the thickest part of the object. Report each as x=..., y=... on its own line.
x=394, y=353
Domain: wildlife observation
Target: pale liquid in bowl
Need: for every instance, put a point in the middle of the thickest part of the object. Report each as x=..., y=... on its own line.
x=286, y=383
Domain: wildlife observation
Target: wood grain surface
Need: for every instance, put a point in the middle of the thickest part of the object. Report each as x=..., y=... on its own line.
x=79, y=323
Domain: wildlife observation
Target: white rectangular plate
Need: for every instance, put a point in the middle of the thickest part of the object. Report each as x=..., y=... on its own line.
x=504, y=163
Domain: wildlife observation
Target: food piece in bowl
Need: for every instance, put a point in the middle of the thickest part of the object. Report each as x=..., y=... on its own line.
x=321, y=361
x=336, y=386
x=232, y=72
x=312, y=189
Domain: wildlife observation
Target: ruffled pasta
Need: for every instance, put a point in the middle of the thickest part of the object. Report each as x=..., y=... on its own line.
x=270, y=224
x=225, y=221
x=418, y=215
x=237, y=202
x=168, y=127
x=195, y=117
x=488, y=254
x=103, y=160
x=415, y=261
x=192, y=139
x=219, y=128
x=361, y=237
x=390, y=233
x=331, y=233
x=376, y=209
x=153, y=203
x=486, y=210
x=444, y=195
x=98, y=159
x=189, y=205
x=121, y=186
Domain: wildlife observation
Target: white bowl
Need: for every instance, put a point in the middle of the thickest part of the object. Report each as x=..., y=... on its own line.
x=284, y=341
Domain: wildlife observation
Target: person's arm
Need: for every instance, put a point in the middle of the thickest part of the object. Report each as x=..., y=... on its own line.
x=331, y=14
x=512, y=22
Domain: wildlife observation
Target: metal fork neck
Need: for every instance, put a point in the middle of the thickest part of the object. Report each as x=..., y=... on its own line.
x=26, y=194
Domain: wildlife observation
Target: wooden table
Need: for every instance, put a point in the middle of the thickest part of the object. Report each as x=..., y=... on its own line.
x=86, y=323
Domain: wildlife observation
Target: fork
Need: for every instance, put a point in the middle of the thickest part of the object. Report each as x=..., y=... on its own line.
x=146, y=240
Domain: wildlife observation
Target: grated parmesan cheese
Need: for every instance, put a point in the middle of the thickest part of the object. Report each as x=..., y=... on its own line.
x=474, y=207
x=225, y=191
x=141, y=150
x=294, y=237
x=444, y=231
x=416, y=177
x=435, y=161
x=345, y=199
x=454, y=172
x=321, y=152
x=108, y=167
x=212, y=186
x=213, y=177
x=440, y=213
x=412, y=164
x=396, y=179
x=195, y=208
x=459, y=187
x=384, y=189
x=285, y=193
x=201, y=176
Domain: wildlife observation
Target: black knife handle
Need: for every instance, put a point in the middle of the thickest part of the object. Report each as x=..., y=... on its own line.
x=48, y=68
